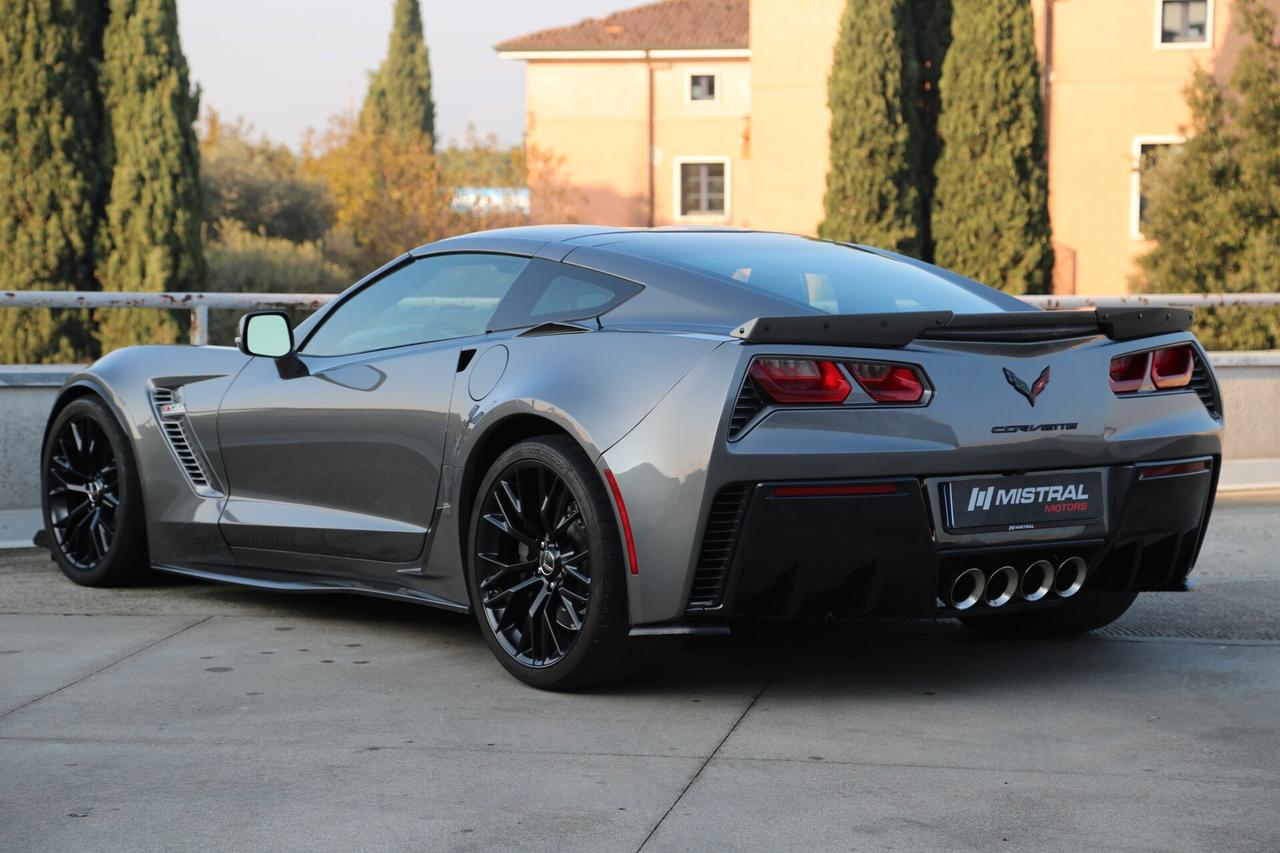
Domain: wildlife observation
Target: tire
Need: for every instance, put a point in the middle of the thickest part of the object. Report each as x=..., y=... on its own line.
x=1087, y=611
x=92, y=497
x=527, y=569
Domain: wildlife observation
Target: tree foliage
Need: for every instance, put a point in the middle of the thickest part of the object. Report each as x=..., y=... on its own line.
x=386, y=189
x=150, y=239
x=245, y=261
x=1214, y=205
x=259, y=184
x=51, y=177
x=873, y=182
x=990, y=214
x=399, y=97
x=931, y=27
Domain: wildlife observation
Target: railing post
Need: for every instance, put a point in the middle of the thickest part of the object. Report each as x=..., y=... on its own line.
x=199, y=325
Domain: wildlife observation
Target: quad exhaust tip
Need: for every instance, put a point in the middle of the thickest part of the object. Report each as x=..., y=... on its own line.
x=1037, y=580
x=997, y=588
x=1002, y=586
x=1069, y=577
x=967, y=589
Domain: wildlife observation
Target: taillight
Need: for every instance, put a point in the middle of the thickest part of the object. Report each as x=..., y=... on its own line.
x=888, y=383
x=1167, y=368
x=1129, y=372
x=800, y=380
x=1171, y=367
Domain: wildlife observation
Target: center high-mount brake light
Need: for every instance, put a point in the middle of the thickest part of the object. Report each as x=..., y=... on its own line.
x=1164, y=369
x=800, y=380
x=888, y=383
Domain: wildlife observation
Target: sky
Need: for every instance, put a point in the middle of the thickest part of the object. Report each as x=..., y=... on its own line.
x=287, y=65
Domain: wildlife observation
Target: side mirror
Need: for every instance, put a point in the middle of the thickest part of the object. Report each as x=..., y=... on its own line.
x=265, y=333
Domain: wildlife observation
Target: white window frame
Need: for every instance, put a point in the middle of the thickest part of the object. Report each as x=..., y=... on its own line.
x=688, y=86
x=1135, y=177
x=1207, y=44
x=678, y=164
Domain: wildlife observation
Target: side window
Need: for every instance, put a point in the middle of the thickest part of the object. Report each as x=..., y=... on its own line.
x=554, y=291
x=430, y=299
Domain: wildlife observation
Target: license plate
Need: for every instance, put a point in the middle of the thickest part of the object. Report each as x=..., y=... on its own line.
x=1025, y=502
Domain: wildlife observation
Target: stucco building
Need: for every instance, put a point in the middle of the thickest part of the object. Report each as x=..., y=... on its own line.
x=715, y=111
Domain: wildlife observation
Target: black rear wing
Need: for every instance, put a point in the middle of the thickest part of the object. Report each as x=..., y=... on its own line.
x=900, y=329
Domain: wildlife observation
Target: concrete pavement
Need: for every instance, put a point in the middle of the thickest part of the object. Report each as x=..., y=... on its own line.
x=190, y=716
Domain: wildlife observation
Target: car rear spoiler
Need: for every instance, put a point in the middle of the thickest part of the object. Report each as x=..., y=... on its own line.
x=900, y=329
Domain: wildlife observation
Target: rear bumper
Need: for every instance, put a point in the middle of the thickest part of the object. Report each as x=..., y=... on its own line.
x=783, y=549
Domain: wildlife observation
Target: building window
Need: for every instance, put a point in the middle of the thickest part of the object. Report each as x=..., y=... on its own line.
x=1147, y=153
x=1185, y=22
x=703, y=188
x=702, y=87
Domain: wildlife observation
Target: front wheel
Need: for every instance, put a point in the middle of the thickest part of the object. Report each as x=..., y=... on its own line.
x=93, y=513
x=547, y=571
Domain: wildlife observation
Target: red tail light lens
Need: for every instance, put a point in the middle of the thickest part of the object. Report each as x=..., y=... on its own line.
x=800, y=380
x=1129, y=372
x=888, y=383
x=1171, y=367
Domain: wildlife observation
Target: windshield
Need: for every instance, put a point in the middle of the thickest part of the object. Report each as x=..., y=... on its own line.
x=830, y=277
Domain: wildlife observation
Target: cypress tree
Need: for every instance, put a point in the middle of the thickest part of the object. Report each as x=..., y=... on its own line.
x=873, y=182
x=150, y=239
x=399, y=97
x=990, y=206
x=931, y=26
x=1214, y=209
x=51, y=179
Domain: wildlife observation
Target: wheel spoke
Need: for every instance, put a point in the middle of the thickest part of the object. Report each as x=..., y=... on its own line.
x=504, y=569
x=551, y=632
x=573, y=613
x=507, y=594
x=72, y=513
x=564, y=590
x=569, y=517
x=503, y=524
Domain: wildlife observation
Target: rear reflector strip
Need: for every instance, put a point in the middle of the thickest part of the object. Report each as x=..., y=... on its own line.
x=1155, y=471
x=833, y=491
x=626, y=521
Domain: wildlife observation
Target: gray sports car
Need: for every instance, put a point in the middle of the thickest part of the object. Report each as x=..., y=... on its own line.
x=600, y=440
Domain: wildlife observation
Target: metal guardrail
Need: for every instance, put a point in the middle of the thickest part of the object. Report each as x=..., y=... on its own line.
x=197, y=303
x=1169, y=300
x=200, y=303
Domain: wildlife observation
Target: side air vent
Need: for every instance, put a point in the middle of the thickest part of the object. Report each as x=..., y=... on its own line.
x=748, y=404
x=718, y=540
x=171, y=416
x=1202, y=384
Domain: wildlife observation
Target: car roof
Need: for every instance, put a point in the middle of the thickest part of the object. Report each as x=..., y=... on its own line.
x=676, y=292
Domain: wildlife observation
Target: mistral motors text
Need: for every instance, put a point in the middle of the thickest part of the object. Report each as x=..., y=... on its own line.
x=982, y=498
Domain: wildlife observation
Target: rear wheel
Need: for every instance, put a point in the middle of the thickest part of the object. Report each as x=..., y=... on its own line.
x=92, y=497
x=547, y=572
x=1088, y=610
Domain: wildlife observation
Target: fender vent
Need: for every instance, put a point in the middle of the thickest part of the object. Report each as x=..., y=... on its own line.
x=718, y=539
x=748, y=404
x=175, y=429
x=1202, y=384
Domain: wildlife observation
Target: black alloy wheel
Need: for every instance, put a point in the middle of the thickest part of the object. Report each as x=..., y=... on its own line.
x=547, y=571
x=84, y=492
x=533, y=564
x=92, y=497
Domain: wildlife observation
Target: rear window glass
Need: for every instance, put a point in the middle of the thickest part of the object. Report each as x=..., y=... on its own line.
x=827, y=276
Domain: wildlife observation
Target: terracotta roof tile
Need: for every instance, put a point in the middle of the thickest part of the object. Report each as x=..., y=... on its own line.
x=666, y=25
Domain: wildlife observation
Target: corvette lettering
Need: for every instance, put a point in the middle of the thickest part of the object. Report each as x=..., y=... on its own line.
x=1034, y=427
x=982, y=499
